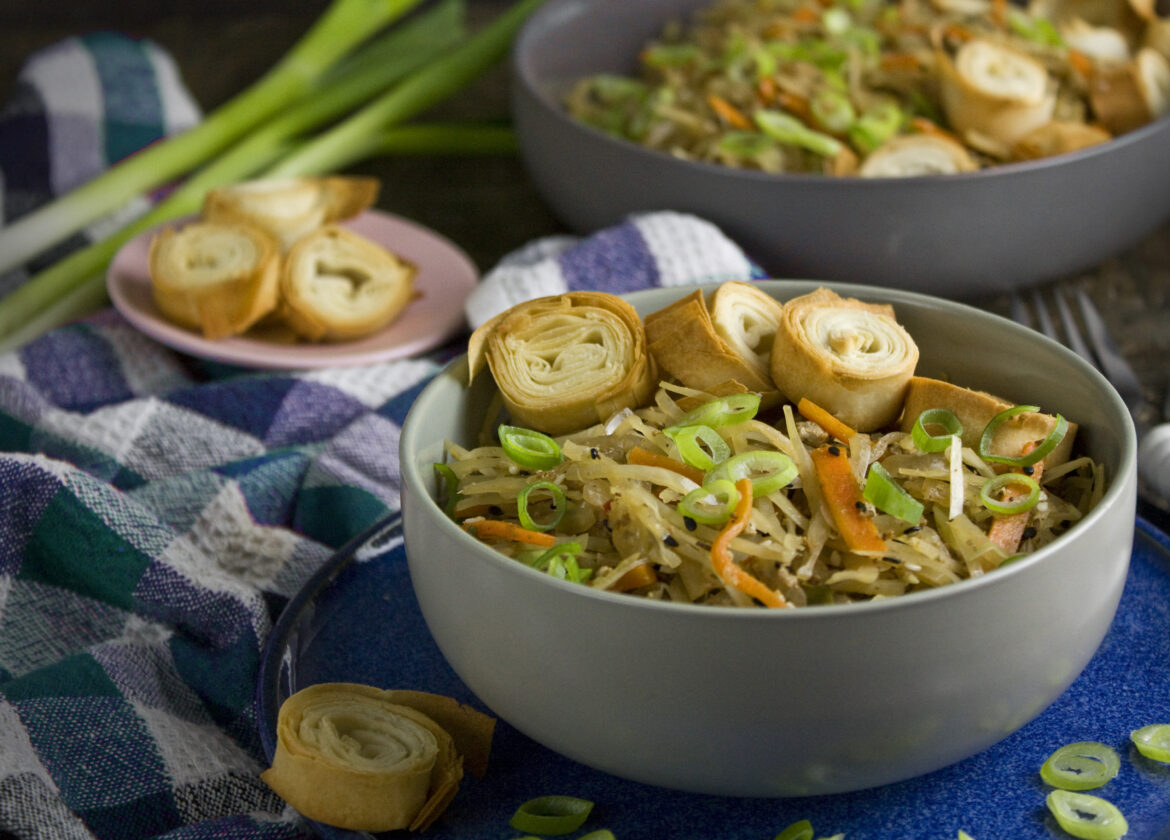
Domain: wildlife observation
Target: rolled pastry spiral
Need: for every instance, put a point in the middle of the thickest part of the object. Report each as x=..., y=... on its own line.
x=707, y=341
x=994, y=95
x=338, y=285
x=349, y=757
x=216, y=278
x=566, y=362
x=290, y=208
x=911, y=155
x=847, y=356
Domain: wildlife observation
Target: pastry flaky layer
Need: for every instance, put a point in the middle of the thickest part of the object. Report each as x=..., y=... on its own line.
x=565, y=362
x=710, y=341
x=850, y=357
x=289, y=208
x=216, y=278
x=366, y=759
x=337, y=285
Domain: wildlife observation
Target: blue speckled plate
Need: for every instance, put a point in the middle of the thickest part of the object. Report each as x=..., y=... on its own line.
x=357, y=620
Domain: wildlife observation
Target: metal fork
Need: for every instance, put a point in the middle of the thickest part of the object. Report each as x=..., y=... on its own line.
x=1096, y=346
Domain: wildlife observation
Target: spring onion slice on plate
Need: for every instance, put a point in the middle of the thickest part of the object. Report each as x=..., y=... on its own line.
x=551, y=814
x=1083, y=765
x=1153, y=741
x=1087, y=817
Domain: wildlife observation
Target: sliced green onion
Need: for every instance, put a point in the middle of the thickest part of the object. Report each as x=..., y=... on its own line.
x=551, y=815
x=723, y=411
x=558, y=500
x=1059, y=430
x=1019, y=505
x=530, y=449
x=450, y=487
x=888, y=496
x=1153, y=741
x=768, y=470
x=1083, y=765
x=711, y=504
x=832, y=110
x=799, y=830
x=876, y=126
x=670, y=55
x=599, y=834
x=699, y=446
x=927, y=442
x=786, y=128
x=560, y=561
x=1085, y=816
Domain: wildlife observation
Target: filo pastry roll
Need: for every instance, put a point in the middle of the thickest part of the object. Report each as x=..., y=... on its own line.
x=708, y=341
x=566, y=362
x=217, y=278
x=348, y=756
x=850, y=357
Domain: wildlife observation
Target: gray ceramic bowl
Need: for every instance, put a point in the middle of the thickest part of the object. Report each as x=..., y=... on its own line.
x=779, y=703
x=958, y=236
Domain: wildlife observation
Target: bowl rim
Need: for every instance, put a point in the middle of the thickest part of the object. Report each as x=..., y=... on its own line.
x=553, y=12
x=1121, y=489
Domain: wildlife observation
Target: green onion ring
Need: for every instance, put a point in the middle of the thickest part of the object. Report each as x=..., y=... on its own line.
x=695, y=504
x=530, y=449
x=691, y=441
x=558, y=499
x=599, y=834
x=560, y=561
x=1047, y=445
x=924, y=440
x=768, y=470
x=1085, y=816
x=799, y=830
x=889, y=496
x=551, y=815
x=450, y=487
x=723, y=411
x=1153, y=741
x=1083, y=765
x=993, y=485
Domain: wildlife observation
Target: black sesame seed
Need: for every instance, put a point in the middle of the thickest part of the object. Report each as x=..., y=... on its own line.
x=495, y=510
x=859, y=505
x=594, y=454
x=833, y=450
x=1029, y=532
x=912, y=529
x=893, y=560
x=1028, y=470
x=690, y=523
x=670, y=540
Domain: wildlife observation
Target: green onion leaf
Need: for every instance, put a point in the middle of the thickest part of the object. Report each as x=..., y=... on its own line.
x=927, y=442
x=450, y=488
x=1081, y=766
x=786, y=128
x=711, y=504
x=530, y=449
x=699, y=446
x=560, y=561
x=723, y=411
x=1153, y=741
x=799, y=830
x=1017, y=505
x=1085, y=816
x=1059, y=430
x=551, y=815
x=558, y=500
x=768, y=471
x=888, y=496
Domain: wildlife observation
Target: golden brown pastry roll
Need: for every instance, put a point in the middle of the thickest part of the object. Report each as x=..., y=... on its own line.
x=566, y=362
x=290, y=208
x=349, y=757
x=975, y=410
x=216, y=278
x=910, y=155
x=338, y=285
x=705, y=341
x=849, y=357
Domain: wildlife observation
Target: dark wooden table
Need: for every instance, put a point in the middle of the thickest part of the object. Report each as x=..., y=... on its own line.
x=488, y=205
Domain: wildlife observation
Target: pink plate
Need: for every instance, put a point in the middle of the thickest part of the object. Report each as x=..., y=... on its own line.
x=446, y=276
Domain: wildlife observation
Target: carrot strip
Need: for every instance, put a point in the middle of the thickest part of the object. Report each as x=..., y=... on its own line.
x=645, y=458
x=905, y=62
x=729, y=113
x=804, y=14
x=724, y=563
x=1008, y=531
x=1081, y=63
x=999, y=13
x=843, y=498
x=497, y=529
x=766, y=90
x=794, y=104
x=811, y=411
x=638, y=576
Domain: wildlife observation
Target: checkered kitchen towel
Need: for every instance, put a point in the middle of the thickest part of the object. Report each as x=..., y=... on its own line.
x=157, y=511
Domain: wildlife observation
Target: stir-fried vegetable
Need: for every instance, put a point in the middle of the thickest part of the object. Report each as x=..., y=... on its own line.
x=774, y=516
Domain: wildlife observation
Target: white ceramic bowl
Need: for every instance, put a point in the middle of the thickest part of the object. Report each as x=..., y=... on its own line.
x=783, y=703
x=959, y=236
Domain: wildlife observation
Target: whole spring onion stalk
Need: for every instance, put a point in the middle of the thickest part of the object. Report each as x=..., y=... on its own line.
x=367, y=72
x=344, y=25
